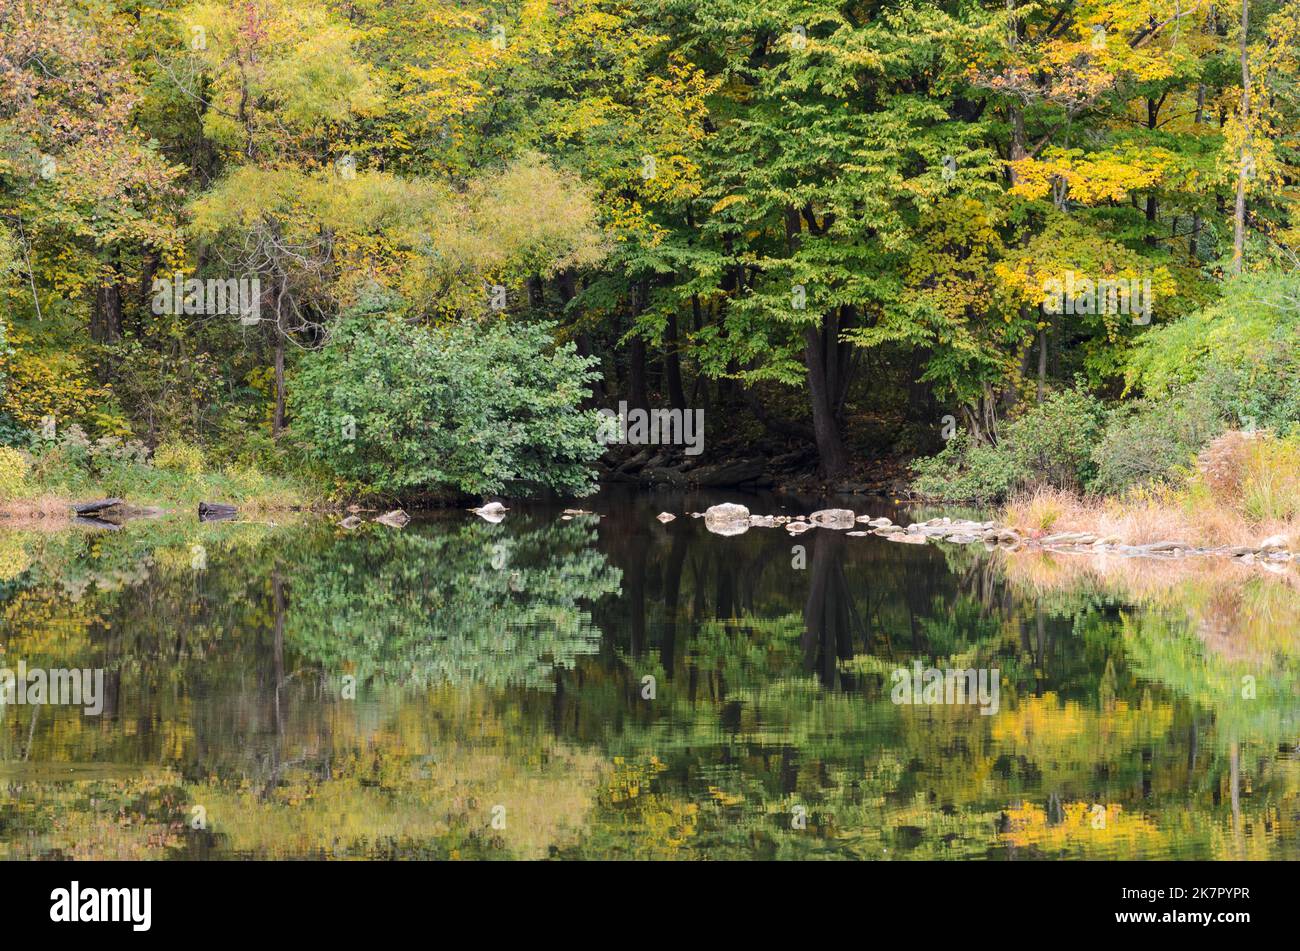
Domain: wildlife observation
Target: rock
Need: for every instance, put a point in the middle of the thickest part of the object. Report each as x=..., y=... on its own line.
x=832, y=518
x=351, y=522
x=907, y=538
x=762, y=521
x=1069, y=538
x=394, y=519
x=665, y=517
x=797, y=528
x=881, y=522
x=726, y=512
x=726, y=519
x=960, y=539
x=577, y=512
x=864, y=519
x=1274, y=541
x=856, y=534
x=493, y=512
x=1157, y=547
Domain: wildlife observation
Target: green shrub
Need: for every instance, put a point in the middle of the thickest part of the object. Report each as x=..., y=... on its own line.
x=13, y=473
x=401, y=409
x=1154, y=440
x=175, y=455
x=962, y=472
x=1050, y=444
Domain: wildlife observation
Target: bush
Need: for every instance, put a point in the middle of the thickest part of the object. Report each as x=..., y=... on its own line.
x=175, y=455
x=13, y=473
x=1153, y=441
x=963, y=472
x=1049, y=445
x=400, y=409
x=1270, y=488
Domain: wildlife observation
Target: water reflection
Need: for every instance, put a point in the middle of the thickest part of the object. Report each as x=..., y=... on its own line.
x=609, y=686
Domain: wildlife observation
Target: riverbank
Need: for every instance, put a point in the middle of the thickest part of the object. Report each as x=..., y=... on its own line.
x=1192, y=519
x=155, y=491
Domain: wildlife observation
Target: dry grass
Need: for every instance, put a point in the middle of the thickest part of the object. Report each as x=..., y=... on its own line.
x=43, y=509
x=1245, y=488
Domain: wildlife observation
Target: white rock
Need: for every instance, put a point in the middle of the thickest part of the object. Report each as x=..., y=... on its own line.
x=726, y=519
x=1274, y=541
x=665, y=516
x=832, y=518
x=394, y=519
x=907, y=538
x=493, y=512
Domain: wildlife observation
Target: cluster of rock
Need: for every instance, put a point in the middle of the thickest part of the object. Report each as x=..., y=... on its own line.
x=394, y=519
x=732, y=519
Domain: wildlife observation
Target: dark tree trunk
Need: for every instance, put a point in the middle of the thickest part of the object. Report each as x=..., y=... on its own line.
x=106, y=317
x=637, y=393
x=821, y=358
x=830, y=446
x=673, y=366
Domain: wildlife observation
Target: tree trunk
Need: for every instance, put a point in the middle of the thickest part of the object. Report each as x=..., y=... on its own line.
x=830, y=446
x=1042, y=362
x=673, y=366
x=1239, y=215
x=637, y=394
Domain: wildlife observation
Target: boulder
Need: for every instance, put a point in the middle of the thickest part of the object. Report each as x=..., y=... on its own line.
x=665, y=517
x=394, y=519
x=351, y=522
x=493, y=512
x=797, y=528
x=833, y=518
x=907, y=538
x=726, y=519
x=1274, y=541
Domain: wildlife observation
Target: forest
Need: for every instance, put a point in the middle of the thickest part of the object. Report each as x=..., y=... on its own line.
x=301, y=250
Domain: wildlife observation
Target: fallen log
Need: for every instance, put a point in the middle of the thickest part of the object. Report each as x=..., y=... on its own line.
x=216, y=512
x=98, y=506
x=727, y=474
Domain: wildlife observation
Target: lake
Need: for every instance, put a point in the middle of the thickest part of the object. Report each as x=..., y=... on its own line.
x=607, y=686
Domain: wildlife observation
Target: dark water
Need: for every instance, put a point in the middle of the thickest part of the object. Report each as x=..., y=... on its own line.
x=614, y=687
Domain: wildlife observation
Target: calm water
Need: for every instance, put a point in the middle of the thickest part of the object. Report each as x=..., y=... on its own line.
x=463, y=689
